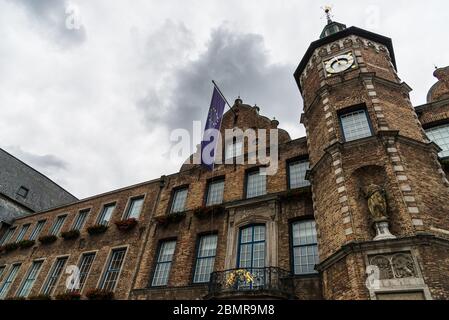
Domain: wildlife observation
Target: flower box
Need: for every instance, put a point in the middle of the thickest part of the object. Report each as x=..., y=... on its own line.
x=10, y=247
x=25, y=244
x=48, y=239
x=40, y=297
x=97, y=229
x=170, y=218
x=69, y=296
x=162, y=220
x=125, y=225
x=175, y=217
x=205, y=212
x=99, y=294
x=70, y=235
x=296, y=193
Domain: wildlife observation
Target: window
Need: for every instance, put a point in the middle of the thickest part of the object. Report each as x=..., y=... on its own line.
x=440, y=135
x=54, y=275
x=134, y=208
x=215, y=192
x=105, y=214
x=2, y=269
x=234, y=150
x=163, y=265
x=7, y=236
x=112, y=272
x=256, y=184
x=297, y=174
x=305, y=247
x=37, y=229
x=22, y=232
x=9, y=280
x=179, y=200
x=57, y=225
x=80, y=219
x=28, y=283
x=205, y=259
x=355, y=125
x=251, y=255
x=23, y=192
x=84, y=266
x=252, y=247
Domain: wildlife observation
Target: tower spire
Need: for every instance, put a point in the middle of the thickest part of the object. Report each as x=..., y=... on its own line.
x=327, y=10
x=331, y=26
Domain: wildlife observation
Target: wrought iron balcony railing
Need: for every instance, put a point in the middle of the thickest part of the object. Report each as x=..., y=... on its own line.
x=251, y=280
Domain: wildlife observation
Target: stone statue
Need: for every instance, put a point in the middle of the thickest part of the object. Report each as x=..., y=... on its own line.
x=377, y=203
x=377, y=206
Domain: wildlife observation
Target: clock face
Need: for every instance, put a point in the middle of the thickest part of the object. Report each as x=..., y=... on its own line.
x=340, y=63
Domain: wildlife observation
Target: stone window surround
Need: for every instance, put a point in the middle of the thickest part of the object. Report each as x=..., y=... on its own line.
x=128, y=204
x=103, y=205
x=26, y=277
x=80, y=258
x=209, y=182
x=289, y=162
x=354, y=108
x=239, y=221
x=50, y=271
x=172, y=197
x=77, y=215
x=105, y=265
x=399, y=285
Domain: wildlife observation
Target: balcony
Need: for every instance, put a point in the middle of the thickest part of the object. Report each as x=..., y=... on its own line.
x=247, y=283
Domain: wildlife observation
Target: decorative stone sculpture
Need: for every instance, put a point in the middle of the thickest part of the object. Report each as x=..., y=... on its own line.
x=377, y=205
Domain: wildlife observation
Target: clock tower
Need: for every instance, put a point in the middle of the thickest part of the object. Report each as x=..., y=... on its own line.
x=380, y=195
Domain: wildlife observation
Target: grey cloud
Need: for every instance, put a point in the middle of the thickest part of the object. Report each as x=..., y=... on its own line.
x=51, y=15
x=46, y=162
x=240, y=64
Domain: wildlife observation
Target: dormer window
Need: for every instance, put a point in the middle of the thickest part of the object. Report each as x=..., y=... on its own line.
x=23, y=192
x=234, y=149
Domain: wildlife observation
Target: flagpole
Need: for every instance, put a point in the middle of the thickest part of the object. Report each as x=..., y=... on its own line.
x=222, y=95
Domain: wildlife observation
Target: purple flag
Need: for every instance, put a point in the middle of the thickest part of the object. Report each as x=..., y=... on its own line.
x=211, y=131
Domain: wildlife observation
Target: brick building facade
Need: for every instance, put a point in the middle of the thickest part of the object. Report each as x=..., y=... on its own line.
x=366, y=191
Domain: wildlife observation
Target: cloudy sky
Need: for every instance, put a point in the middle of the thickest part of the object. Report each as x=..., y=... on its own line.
x=91, y=89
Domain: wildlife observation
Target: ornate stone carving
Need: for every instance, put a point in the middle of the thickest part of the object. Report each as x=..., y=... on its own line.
x=382, y=262
x=347, y=42
x=403, y=266
x=335, y=47
x=395, y=266
x=323, y=52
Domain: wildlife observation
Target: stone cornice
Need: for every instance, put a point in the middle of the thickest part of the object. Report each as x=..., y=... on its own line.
x=426, y=239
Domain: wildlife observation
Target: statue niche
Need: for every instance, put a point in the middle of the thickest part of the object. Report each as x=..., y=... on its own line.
x=377, y=203
x=371, y=183
x=377, y=207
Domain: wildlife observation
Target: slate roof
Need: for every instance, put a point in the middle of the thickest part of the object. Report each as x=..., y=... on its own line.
x=43, y=193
